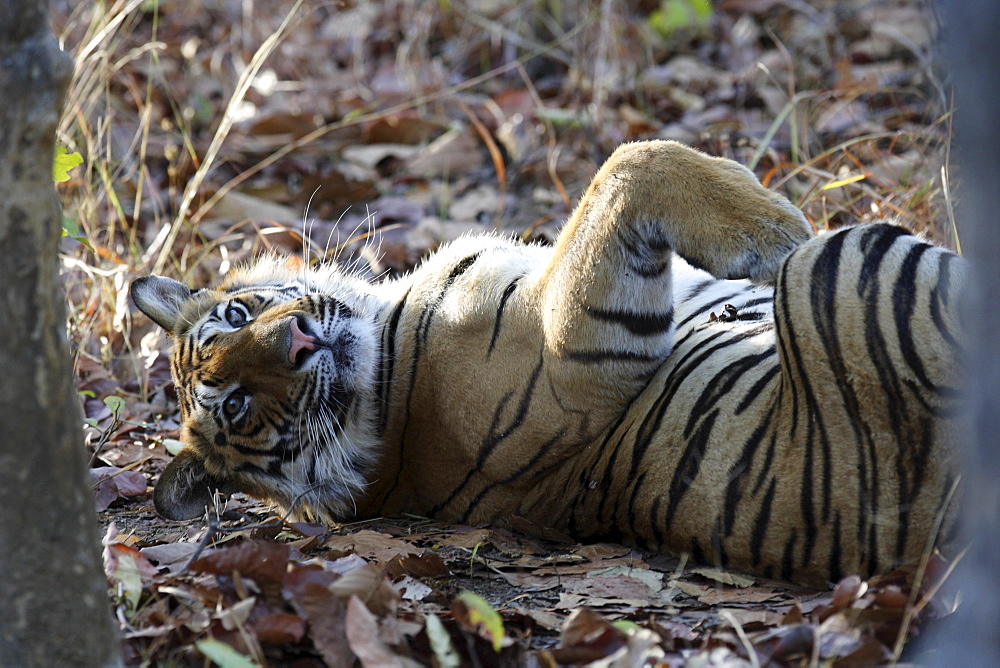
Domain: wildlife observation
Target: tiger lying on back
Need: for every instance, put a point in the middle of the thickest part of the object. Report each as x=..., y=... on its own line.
x=805, y=434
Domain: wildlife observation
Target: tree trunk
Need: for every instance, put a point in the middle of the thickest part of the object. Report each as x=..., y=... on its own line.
x=53, y=595
x=973, y=51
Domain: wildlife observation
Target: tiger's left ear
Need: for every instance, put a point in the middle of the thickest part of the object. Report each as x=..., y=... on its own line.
x=160, y=298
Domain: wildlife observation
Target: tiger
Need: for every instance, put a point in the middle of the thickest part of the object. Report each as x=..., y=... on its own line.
x=688, y=369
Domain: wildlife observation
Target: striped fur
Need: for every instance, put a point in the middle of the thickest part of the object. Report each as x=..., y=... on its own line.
x=603, y=386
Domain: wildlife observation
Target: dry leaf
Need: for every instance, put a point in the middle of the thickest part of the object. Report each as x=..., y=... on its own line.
x=379, y=547
x=725, y=577
x=370, y=586
x=258, y=559
x=451, y=155
x=363, y=635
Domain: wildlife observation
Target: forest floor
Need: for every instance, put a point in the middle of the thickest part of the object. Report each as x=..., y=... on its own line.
x=376, y=131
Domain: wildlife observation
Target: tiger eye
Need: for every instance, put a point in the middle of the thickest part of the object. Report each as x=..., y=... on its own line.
x=235, y=316
x=233, y=403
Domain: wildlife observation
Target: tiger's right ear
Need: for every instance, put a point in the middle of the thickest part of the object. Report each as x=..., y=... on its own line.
x=160, y=298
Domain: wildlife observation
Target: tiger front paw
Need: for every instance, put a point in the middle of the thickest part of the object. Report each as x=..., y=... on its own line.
x=713, y=212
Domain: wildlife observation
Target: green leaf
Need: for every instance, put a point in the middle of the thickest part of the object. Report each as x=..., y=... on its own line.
x=444, y=650
x=223, y=655
x=64, y=162
x=560, y=118
x=71, y=229
x=626, y=626
x=483, y=615
x=674, y=15
x=115, y=404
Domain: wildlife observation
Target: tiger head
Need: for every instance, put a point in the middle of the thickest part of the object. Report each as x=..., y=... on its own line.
x=275, y=378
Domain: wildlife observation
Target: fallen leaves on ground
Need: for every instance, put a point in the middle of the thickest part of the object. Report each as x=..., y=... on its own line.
x=425, y=600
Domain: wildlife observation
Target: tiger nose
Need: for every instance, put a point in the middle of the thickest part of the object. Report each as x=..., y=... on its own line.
x=299, y=341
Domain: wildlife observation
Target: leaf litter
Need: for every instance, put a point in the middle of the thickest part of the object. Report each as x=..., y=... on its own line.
x=418, y=123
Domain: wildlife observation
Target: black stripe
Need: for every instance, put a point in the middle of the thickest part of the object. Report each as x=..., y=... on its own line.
x=720, y=551
x=600, y=356
x=646, y=254
x=823, y=297
x=904, y=300
x=876, y=242
x=768, y=457
x=785, y=319
x=540, y=452
x=386, y=368
x=697, y=554
x=654, y=523
x=496, y=433
x=757, y=302
x=630, y=514
x=788, y=555
x=756, y=390
x=881, y=234
x=684, y=370
x=909, y=490
x=500, y=309
x=689, y=465
x=938, y=319
x=640, y=324
x=609, y=467
x=761, y=525
x=720, y=386
x=420, y=336
x=427, y=315
x=835, y=568
x=740, y=469
x=190, y=354
x=698, y=289
x=287, y=454
x=253, y=469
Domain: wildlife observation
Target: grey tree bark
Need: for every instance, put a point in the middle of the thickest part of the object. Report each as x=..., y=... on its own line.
x=972, y=54
x=53, y=598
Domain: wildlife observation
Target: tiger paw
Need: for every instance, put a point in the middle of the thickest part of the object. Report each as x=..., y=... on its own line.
x=711, y=211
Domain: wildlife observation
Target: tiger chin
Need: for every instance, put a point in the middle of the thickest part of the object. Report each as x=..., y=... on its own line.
x=687, y=369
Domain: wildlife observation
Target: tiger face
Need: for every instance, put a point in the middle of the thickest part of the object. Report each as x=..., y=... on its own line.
x=275, y=385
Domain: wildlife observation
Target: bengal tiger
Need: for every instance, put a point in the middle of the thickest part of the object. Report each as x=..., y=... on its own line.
x=625, y=382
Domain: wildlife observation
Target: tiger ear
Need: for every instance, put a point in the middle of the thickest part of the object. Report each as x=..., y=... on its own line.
x=185, y=488
x=160, y=298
